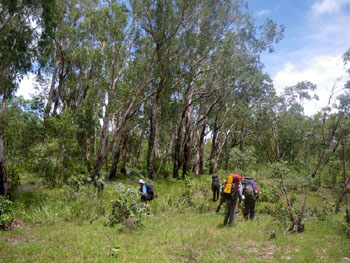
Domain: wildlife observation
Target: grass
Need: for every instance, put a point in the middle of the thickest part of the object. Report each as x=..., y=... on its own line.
x=173, y=232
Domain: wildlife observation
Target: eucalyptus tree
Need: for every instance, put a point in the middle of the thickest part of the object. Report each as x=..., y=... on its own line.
x=344, y=108
x=247, y=87
x=216, y=18
x=108, y=43
x=329, y=126
x=294, y=126
x=118, y=45
x=165, y=23
x=19, y=42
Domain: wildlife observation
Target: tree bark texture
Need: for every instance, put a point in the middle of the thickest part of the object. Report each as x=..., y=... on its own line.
x=4, y=180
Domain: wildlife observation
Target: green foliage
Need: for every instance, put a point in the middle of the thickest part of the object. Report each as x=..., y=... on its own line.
x=268, y=194
x=346, y=223
x=323, y=213
x=279, y=170
x=13, y=174
x=126, y=205
x=57, y=158
x=278, y=211
x=6, y=211
x=243, y=159
x=47, y=163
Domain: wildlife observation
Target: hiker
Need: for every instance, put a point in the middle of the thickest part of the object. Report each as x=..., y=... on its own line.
x=215, y=187
x=146, y=191
x=232, y=193
x=222, y=198
x=143, y=190
x=251, y=194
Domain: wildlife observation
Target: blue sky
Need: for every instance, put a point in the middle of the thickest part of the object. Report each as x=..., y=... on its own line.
x=317, y=34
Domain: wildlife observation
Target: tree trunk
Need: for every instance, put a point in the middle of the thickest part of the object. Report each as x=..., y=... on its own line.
x=50, y=98
x=187, y=139
x=61, y=78
x=326, y=143
x=341, y=197
x=213, y=149
x=241, y=143
x=299, y=139
x=52, y=87
x=346, y=180
x=153, y=118
x=139, y=148
x=4, y=180
x=177, y=151
x=227, y=159
x=201, y=147
x=87, y=149
x=101, y=154
x=116, y=156
x=124, y=153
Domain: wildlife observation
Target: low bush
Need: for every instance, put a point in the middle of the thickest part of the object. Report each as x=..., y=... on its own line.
x=126, y=205
x=6, y=212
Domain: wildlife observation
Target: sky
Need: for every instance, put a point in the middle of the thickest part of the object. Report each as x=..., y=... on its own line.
x=317, y=34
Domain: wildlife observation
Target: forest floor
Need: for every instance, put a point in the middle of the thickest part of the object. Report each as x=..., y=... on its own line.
x=168, y=234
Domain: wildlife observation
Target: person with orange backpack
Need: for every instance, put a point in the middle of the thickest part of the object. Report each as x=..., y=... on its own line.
x=251, y=194
x=232, y=194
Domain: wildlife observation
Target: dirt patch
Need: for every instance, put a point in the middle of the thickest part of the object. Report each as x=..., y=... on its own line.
x=29, y=187
x=13, y=241
x=13, y=224
x=267, y=253
x=187, y=254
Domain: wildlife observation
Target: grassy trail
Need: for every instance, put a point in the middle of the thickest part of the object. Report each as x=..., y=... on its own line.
x=170, y=237
x=181, y=228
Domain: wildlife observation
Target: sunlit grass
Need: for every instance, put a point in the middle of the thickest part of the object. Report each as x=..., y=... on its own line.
x=59, y=228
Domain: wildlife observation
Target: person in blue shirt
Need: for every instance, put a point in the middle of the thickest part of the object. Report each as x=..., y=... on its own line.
x=143, y=190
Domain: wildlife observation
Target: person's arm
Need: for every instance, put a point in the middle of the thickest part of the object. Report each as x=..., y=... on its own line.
x=240, y=192
x=254, y=188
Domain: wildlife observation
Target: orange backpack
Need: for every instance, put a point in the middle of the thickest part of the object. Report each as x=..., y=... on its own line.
x=232, y=183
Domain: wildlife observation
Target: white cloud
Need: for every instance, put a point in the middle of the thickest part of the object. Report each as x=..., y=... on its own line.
x=329, y=6
x=263, y=12
x=320, y=70
x=26, y=87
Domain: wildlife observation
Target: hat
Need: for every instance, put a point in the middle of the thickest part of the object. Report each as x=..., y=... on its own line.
x=141, y=181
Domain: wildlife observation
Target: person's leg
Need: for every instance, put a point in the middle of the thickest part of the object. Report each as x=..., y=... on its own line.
x=252, y=210
x=246, y=208
x=228, y=207
x=233, y=212
x=213, y=189
x=222, y=200
x=217, y=193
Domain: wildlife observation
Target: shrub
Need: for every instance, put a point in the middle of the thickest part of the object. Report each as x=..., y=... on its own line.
x=126, y=205
x=279, y=169
x=6, y=213
x=268, y=194
x=346, y=224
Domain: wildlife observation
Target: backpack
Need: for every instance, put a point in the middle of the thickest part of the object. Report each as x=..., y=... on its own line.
x=150, y=192
x=249, y=193
x=231, y=186
x=248, y=189
x=215, y=184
